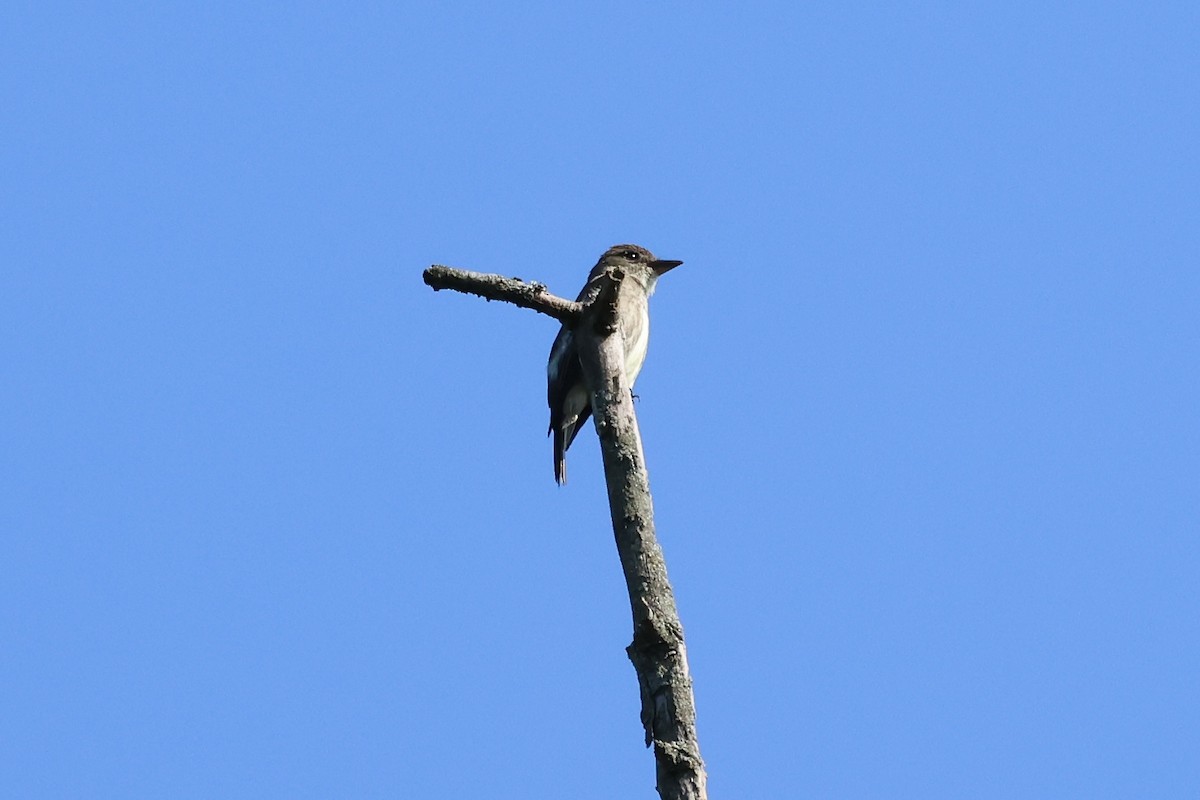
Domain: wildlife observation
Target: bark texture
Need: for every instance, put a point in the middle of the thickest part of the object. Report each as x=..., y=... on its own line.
x=658, y=654
x=510, y=290
x=657, y=651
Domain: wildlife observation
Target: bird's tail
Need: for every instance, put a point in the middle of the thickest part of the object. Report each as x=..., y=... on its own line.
x=560, y=456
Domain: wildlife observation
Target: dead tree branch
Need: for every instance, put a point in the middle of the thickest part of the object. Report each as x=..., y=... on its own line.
x=510, y=290
x=657, y=652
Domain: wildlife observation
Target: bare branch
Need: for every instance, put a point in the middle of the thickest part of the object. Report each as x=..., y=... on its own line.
x=607, y=303
x=657, y=652
x=509, y=290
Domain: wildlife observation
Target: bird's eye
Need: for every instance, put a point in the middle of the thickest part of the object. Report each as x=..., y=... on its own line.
x=633, y=255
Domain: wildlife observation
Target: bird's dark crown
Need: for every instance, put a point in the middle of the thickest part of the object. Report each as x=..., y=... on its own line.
x=627, y=252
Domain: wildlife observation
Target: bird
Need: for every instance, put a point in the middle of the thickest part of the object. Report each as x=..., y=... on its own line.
x=567, y=394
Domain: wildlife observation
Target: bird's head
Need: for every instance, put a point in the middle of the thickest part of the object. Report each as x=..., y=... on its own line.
x=637, y=261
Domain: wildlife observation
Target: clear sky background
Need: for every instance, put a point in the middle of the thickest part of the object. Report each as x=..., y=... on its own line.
x=920, y=408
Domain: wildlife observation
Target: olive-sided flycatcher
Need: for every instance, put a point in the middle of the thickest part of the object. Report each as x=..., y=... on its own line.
x=570, y=403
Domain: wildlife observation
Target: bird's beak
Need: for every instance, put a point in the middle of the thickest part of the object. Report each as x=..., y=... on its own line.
x=661, y=266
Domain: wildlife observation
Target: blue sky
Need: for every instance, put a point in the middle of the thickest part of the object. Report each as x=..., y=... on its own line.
x=920, y=408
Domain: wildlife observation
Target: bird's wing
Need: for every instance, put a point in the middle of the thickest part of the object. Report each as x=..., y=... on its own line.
x=562, y=372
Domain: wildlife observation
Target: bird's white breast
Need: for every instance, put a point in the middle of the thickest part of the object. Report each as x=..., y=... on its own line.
x=637, y=342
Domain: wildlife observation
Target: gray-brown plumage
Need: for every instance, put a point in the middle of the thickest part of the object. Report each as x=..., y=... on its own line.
x=570, y=402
